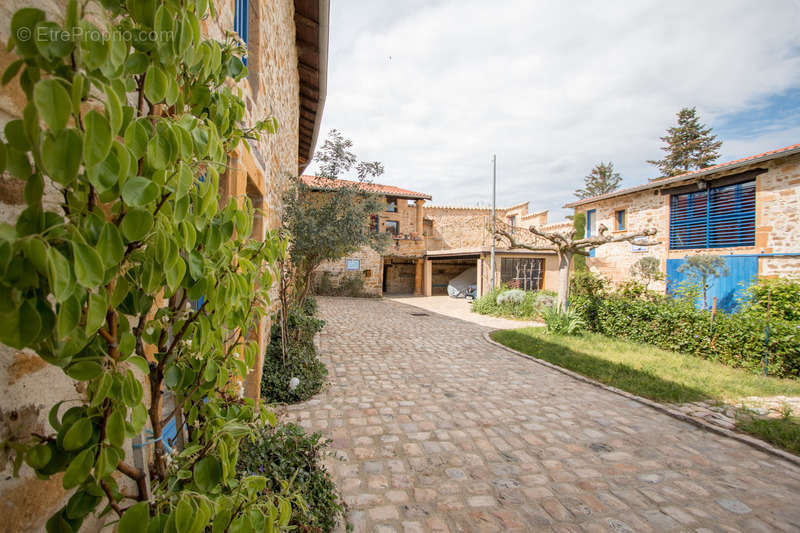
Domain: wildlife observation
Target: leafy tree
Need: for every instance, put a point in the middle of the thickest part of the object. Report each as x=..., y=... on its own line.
x=327, y=225
x=137, y=281
x=647, y=270
x=579, y=223
x=689, y=145
x=701, y=270
x=601, y=180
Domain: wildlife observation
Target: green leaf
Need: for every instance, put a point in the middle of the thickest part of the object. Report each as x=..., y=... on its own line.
x=84, y=370
x=98, y=138
x=207, y=473
x=138, y=191
x=96, y=312
x=136, y=138
x=38, y=456
x=76, y=93
x=88, y=265
x=138, y=417
x=136, y=224
x=20, y=327
x=142, y=11
x=60, y=275
x=140, y=362
x=36, y=253
x=23, y=26
x=78, y=434
x=184, y=181
x=172, y=376
x=183, y=516
x=61, y=155
x=115, y=428
x=127, y=343
x=106, y=174
x=175, y=274
x=113, y=109
x=110, y=245
x=136, y=63
x=79, y=469
x=135, y=519
x=94, y=46
x=103, y=387
x=155, y=84
x=52, y=41
x=159, y=151
x=69, y=313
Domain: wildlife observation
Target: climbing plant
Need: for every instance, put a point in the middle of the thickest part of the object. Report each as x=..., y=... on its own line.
x=130, y=277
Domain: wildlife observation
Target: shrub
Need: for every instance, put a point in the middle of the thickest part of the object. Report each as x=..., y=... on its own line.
x=780, y=296
x=511, y=296
x=300, y=363
x=579, y=223
x=587, y=284
x=287, y=454
x=646, y=270
x=325, y=285
x=559, y=322
x=352, y=285
x=737, y=340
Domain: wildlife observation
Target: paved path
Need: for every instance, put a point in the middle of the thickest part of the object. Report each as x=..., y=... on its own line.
x=461, y=308
x=439, y=431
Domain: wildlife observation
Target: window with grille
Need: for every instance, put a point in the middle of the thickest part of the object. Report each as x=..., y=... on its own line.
x=393, y=227
x=240, y=22
x=522, y=273
x=718, y=217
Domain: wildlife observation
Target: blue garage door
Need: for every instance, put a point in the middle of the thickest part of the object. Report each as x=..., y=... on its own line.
x=742, y=271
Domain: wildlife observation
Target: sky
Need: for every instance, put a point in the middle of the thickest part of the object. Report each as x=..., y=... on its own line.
x=433, y=88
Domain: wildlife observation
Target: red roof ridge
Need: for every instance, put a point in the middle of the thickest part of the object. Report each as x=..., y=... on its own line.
x=389, y=190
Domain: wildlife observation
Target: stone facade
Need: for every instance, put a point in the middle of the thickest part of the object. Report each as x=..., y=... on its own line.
x=272, y=89
x=777, y=219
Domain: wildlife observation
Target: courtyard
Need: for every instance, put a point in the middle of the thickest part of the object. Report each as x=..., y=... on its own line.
x=435, y=429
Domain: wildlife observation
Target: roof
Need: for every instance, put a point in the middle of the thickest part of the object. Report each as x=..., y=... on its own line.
x=478, y=250
x=320, y=183
x=311, y=39
x=730, y=165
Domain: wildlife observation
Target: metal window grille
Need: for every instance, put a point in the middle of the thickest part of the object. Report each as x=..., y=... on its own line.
x=522, y=273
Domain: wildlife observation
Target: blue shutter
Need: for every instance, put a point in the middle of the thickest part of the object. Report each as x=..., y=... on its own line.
x=591, y=217
x=717, y=218
x=729, y=289
x=240, y=22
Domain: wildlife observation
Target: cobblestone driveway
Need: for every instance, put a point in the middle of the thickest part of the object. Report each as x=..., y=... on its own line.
x=439, y=431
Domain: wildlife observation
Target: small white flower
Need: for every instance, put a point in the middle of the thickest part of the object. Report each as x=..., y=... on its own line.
x=293, y=383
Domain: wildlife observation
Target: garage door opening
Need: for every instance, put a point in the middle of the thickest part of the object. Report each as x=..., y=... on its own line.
x=442, y=271
x=398, y=276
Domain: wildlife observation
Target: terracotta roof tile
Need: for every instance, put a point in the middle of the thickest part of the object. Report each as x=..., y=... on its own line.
x=321, y=183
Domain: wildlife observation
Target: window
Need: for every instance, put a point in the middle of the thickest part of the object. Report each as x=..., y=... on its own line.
x=391, y=205
x=718, y=217
x=240, y=22
x=620, y=220
x=522, y=273
x=512, y=221
x=374, y=224
x=393, y=227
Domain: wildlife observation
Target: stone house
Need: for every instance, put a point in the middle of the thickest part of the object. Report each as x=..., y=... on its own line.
x=287, y=42
x=433, y=244
x=747, y=211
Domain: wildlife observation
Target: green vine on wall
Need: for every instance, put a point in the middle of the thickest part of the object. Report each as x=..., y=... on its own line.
x=131, y=124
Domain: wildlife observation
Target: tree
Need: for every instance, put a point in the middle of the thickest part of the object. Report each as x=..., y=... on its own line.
x=647, y=270
x=601, y=180
x=328, y=224
x=567, y=246
x=702, y=269
x=579, y=223
x=689, y=145
x=137, y=284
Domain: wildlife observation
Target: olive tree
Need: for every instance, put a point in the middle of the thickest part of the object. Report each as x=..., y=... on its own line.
x=136, y=282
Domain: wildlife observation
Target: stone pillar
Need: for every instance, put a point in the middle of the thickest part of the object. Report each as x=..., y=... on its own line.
x=418, y=277
x=428, y=278
x=420, y=213
x=479, y=277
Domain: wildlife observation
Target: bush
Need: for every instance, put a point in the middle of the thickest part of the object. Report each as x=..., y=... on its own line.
x=287, y=454
x=518, y=304
x=567, y=322
x=736, y=340
x=301, y=362
x=587, y=284
x=780, y=296
x=349, y=285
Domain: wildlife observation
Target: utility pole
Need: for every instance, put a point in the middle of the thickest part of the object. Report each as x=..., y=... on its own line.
x=494, y=191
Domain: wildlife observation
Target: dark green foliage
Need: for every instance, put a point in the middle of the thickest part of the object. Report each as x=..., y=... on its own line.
x=349, y=285
x=601, y=180
x=529, y=308
x=780, y=298
x=568, y=322
x=579, y=223
x=783, y=432
x=287, y=453
x=301, y=361
x=736, y=340
x=688, y=146
x=587, y=284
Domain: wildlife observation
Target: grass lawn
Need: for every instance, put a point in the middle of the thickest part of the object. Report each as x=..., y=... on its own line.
x=645, y=370
x=661, y=375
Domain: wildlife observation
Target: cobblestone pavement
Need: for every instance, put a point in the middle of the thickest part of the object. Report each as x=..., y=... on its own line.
x=437, y=430
x=461, y=308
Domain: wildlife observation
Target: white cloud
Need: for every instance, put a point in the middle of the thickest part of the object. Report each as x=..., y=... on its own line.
x=432, y=89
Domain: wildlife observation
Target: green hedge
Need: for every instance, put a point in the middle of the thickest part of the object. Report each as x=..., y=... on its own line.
x=736, y=340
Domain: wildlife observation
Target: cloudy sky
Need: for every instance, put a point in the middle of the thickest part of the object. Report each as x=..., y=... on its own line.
x=433, y=88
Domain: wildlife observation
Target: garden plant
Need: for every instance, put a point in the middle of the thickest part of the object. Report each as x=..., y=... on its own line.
x=125, y=272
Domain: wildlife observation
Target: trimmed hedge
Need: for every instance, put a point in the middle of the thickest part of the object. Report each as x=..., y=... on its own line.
x=735, y=340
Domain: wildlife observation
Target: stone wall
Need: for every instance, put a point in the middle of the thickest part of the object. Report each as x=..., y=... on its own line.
x=371, y=270
x=777, y=221
x=400, y=275
x=31, y=387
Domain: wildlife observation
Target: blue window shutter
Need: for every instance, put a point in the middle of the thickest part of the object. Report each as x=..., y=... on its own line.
x=240, y=22
x=591, y=217
x=719, y=217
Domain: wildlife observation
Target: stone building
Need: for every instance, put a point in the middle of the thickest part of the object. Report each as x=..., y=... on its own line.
x=433, y=244
x=747, y=211
x=287, y=44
